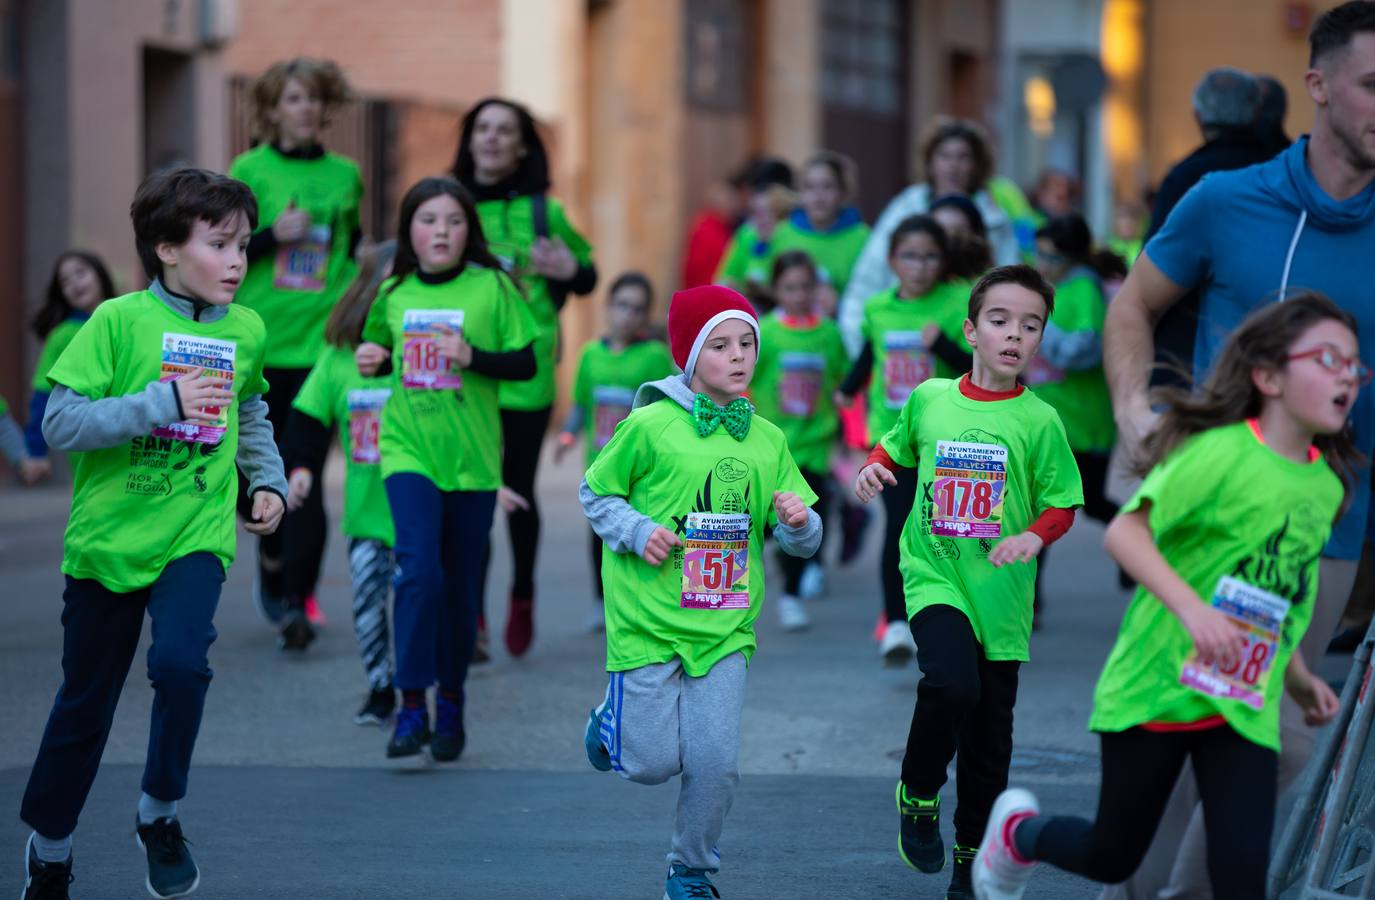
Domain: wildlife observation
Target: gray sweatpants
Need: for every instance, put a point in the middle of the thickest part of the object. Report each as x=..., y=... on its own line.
x=1176, y=865
x=657, y=722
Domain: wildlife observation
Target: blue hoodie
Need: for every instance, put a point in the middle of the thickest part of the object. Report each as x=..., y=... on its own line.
x=1248, y=237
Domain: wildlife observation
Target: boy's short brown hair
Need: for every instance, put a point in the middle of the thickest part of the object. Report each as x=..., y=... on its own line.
x=1021, y=275
x=169, y=204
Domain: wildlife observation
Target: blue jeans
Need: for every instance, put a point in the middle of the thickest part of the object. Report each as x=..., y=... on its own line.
x=100, y=632
x=441, y=542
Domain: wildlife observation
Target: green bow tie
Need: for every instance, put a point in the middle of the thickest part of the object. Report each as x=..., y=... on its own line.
x=735, y=416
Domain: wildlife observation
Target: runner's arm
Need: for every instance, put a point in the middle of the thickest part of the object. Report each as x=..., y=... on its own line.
x=11, y=440
x=257, y=456
x=1052, y=524
x=1129, y=341
x=864, y=364
x=75, y=422
x=508, y=365
x=952, y=354
x=620, y=526
x=1073, y=351
x=572, y=423
x=802, y=541
x=264, y=243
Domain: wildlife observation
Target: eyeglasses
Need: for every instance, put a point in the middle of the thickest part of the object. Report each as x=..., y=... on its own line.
x=1333, y=361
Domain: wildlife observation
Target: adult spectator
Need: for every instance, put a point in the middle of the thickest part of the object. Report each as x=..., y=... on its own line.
x=1303, y=220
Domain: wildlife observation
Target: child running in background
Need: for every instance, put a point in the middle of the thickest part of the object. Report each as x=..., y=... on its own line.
x=157, y=398
x=335, y=393
x=610, y=371
x=1228, y=578
x=912, y=331
x=80, y=282
x=681, y=496
x=801, y=363
x=998, y=484
x=455, y=325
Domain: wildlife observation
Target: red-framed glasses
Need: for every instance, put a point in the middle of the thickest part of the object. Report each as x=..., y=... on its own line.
x=1333, y=361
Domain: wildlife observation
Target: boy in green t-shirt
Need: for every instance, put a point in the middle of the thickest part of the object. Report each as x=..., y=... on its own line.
x=997, y=484
x=610, y=370
x=157, y=398
x=681, y=496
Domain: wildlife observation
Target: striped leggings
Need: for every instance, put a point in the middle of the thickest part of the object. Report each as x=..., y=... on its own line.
x=372, y=567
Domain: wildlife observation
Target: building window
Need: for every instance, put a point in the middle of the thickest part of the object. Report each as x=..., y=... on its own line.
x=861, y=62
x=716, y=56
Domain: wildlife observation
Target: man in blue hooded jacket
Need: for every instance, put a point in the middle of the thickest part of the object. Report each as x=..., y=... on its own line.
x=1304, y=220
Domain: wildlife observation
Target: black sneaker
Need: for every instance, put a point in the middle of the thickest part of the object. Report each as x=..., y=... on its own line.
x=297, y=632
x=171, y=870
x=411, y=735
x=378, y=708
x=46, y=881
x=448, y=740
x=919, y=832
x=961, y=873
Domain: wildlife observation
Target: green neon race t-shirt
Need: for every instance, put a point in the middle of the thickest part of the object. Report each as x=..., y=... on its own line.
x=986, y=470
x=605, y=385
x=798, y=372
x=657, y=461
x=161, y=496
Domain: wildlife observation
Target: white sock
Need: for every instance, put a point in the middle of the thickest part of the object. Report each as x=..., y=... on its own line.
x=150, y=809
x=52, y=851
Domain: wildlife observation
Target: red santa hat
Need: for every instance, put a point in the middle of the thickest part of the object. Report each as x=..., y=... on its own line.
x=693, y=313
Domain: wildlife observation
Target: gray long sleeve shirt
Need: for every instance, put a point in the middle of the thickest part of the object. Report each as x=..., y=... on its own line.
x=76, y=422
x=626, y=530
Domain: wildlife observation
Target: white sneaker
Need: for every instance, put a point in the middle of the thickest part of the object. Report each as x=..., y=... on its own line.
x=998, y=874
x=897, y=646
x=595, y=623
x=813, y=581
x=792, y=614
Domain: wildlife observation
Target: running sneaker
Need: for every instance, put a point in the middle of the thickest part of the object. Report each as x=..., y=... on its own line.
x=411, y=735
x=689, y=884
x=919, y=831
x=792, y=615
x=378, y=708
x=520, y=625
x=592, y=743
x=961, y=869
x=171, y=870
x=297, y=633
x=999, y=872
x=314, y=614
x=448, y=740
x=45, y=881
x=813, y=580
x=270, y=604
x=897, y=646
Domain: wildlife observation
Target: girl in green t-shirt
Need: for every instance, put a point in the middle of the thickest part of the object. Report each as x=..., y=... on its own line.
x=801, y=362
x=451, y=325
x=912, y=332
x=300, y=260
x=745, y=267
x=1246, y=477
x=610, y=371
x=825, y=226
x=336, y=394
x=79, y=283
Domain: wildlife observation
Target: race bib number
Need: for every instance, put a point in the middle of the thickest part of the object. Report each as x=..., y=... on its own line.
x=365, y=421
x=610, y=405
x=906, y=364
x=968, y=491
x=1040, y=371
x=303, y=265
x=1260, y=616
x=422, y=366
x=800, y=383
x=716, y=561
x=182, y=353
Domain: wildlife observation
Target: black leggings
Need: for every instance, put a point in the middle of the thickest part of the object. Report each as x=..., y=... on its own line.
x=1236, y=781
x=522, y=434
x=897, y=506
x=289, y=559
x=964, y=711
x=793, y=566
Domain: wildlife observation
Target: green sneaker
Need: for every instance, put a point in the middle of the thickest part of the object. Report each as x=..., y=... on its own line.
x=919, y=831
x=961, y=873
